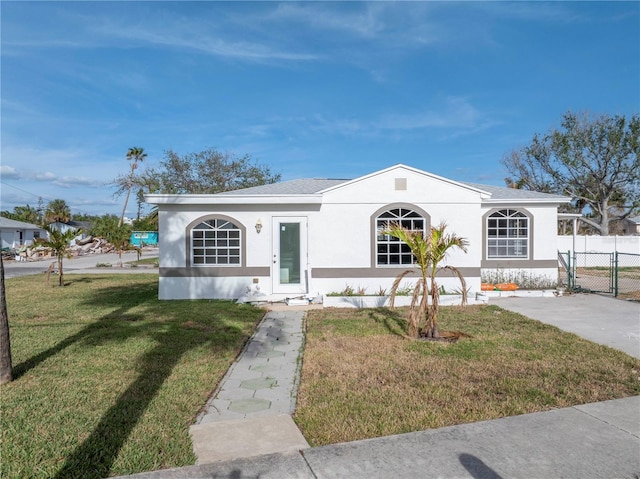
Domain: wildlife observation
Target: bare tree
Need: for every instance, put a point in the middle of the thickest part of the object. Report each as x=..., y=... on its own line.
x=595, y=160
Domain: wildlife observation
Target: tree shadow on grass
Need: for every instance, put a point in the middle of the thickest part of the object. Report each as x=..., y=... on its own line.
x=100, y=331
x=94, y=457
x=392, y=319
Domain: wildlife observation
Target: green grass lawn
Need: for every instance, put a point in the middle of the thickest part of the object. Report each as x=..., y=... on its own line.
x=362, y=379
x=108, y=378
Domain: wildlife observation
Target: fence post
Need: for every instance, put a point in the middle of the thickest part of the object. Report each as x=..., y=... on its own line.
x=615, y=272
x=569, y=271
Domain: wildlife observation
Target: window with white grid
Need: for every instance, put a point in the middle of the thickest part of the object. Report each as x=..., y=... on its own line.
x=508, y=234
x=391, y=251
x=216, y=242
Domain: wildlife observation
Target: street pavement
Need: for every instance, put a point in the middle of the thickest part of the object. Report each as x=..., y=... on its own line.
x=599, y=440
x=79, y=264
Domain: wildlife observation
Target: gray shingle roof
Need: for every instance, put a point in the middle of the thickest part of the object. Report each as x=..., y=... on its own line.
x=310, y=186
x=303, y=186
x=504, y=193
x=8, y=223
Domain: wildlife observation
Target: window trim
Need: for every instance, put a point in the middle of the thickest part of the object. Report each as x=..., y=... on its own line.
x=189, y=242
x=485, y=235
x=374, y=230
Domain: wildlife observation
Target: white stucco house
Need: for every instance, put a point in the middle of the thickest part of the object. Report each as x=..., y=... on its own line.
x=14, y=234
x=316, y=236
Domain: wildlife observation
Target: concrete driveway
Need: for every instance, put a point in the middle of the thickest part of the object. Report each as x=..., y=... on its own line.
x=598, y=318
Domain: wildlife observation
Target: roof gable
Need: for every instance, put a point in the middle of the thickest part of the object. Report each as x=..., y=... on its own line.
x=407, y=170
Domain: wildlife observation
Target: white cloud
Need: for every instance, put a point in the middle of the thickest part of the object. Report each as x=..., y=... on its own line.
x=9, y=172
x=192, y=34
x=451, y=117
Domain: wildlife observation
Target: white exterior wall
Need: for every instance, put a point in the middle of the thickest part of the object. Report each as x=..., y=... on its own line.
x=341, y=234
x=173, y=221
x=10, y=237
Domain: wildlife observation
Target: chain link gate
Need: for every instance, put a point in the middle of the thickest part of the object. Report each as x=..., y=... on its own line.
x=627, y=276
x=594, y=272
x=611, y=273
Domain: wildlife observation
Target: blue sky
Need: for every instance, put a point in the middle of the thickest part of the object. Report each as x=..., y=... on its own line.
x=311, y=89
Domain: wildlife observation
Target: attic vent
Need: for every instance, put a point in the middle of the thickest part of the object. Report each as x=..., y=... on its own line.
x=401, y=183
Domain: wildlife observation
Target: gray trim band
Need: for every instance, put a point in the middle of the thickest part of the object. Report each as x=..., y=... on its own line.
x=516, y=264
x=215, y=272
x=381, y=272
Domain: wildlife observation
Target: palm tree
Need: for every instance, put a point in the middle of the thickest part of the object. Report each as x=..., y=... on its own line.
x=136, y=154
x=59, y=243
x=428, y=251
x=57, y=212
x=6, y=373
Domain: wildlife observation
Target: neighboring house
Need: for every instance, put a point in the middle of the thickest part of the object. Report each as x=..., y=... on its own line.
x=631, y=226
x=83, y=226
x=316, y=236
x=16, y=233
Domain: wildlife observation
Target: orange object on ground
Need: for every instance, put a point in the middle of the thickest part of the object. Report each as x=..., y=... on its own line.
x=487, y=287
x=507, y=286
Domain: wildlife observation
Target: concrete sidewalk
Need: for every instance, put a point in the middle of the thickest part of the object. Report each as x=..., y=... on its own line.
x=600, y=440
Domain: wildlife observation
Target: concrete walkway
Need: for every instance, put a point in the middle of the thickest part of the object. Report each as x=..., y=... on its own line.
x=250, y=412
x=246, y=430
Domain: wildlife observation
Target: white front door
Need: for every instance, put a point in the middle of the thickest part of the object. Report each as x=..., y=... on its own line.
x=289, y=255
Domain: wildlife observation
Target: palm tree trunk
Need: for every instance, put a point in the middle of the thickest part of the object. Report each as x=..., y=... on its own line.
x=60, y=280
x=431, y=326
x=6, y=374
x=124, y=208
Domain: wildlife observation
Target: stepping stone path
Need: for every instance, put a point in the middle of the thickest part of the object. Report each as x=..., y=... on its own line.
x=250, y=412
x=264, y=378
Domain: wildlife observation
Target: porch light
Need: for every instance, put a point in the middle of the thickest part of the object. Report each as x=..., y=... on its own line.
x=258, y=226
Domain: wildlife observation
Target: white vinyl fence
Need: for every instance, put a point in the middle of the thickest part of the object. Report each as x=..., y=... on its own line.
x=600, y=244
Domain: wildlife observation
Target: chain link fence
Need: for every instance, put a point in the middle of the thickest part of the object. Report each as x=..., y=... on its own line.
x=613, y=273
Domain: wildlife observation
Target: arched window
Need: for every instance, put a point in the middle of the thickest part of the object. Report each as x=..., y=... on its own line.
x=391, y=251
x=216, y=242
x=508, y=234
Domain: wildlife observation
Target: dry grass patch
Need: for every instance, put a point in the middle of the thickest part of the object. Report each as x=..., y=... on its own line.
x=362, y=379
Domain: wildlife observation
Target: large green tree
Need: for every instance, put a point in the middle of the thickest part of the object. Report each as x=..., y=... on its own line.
x=593, y=159
x=206, y=172
x=108, y=227
x=26, y=213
